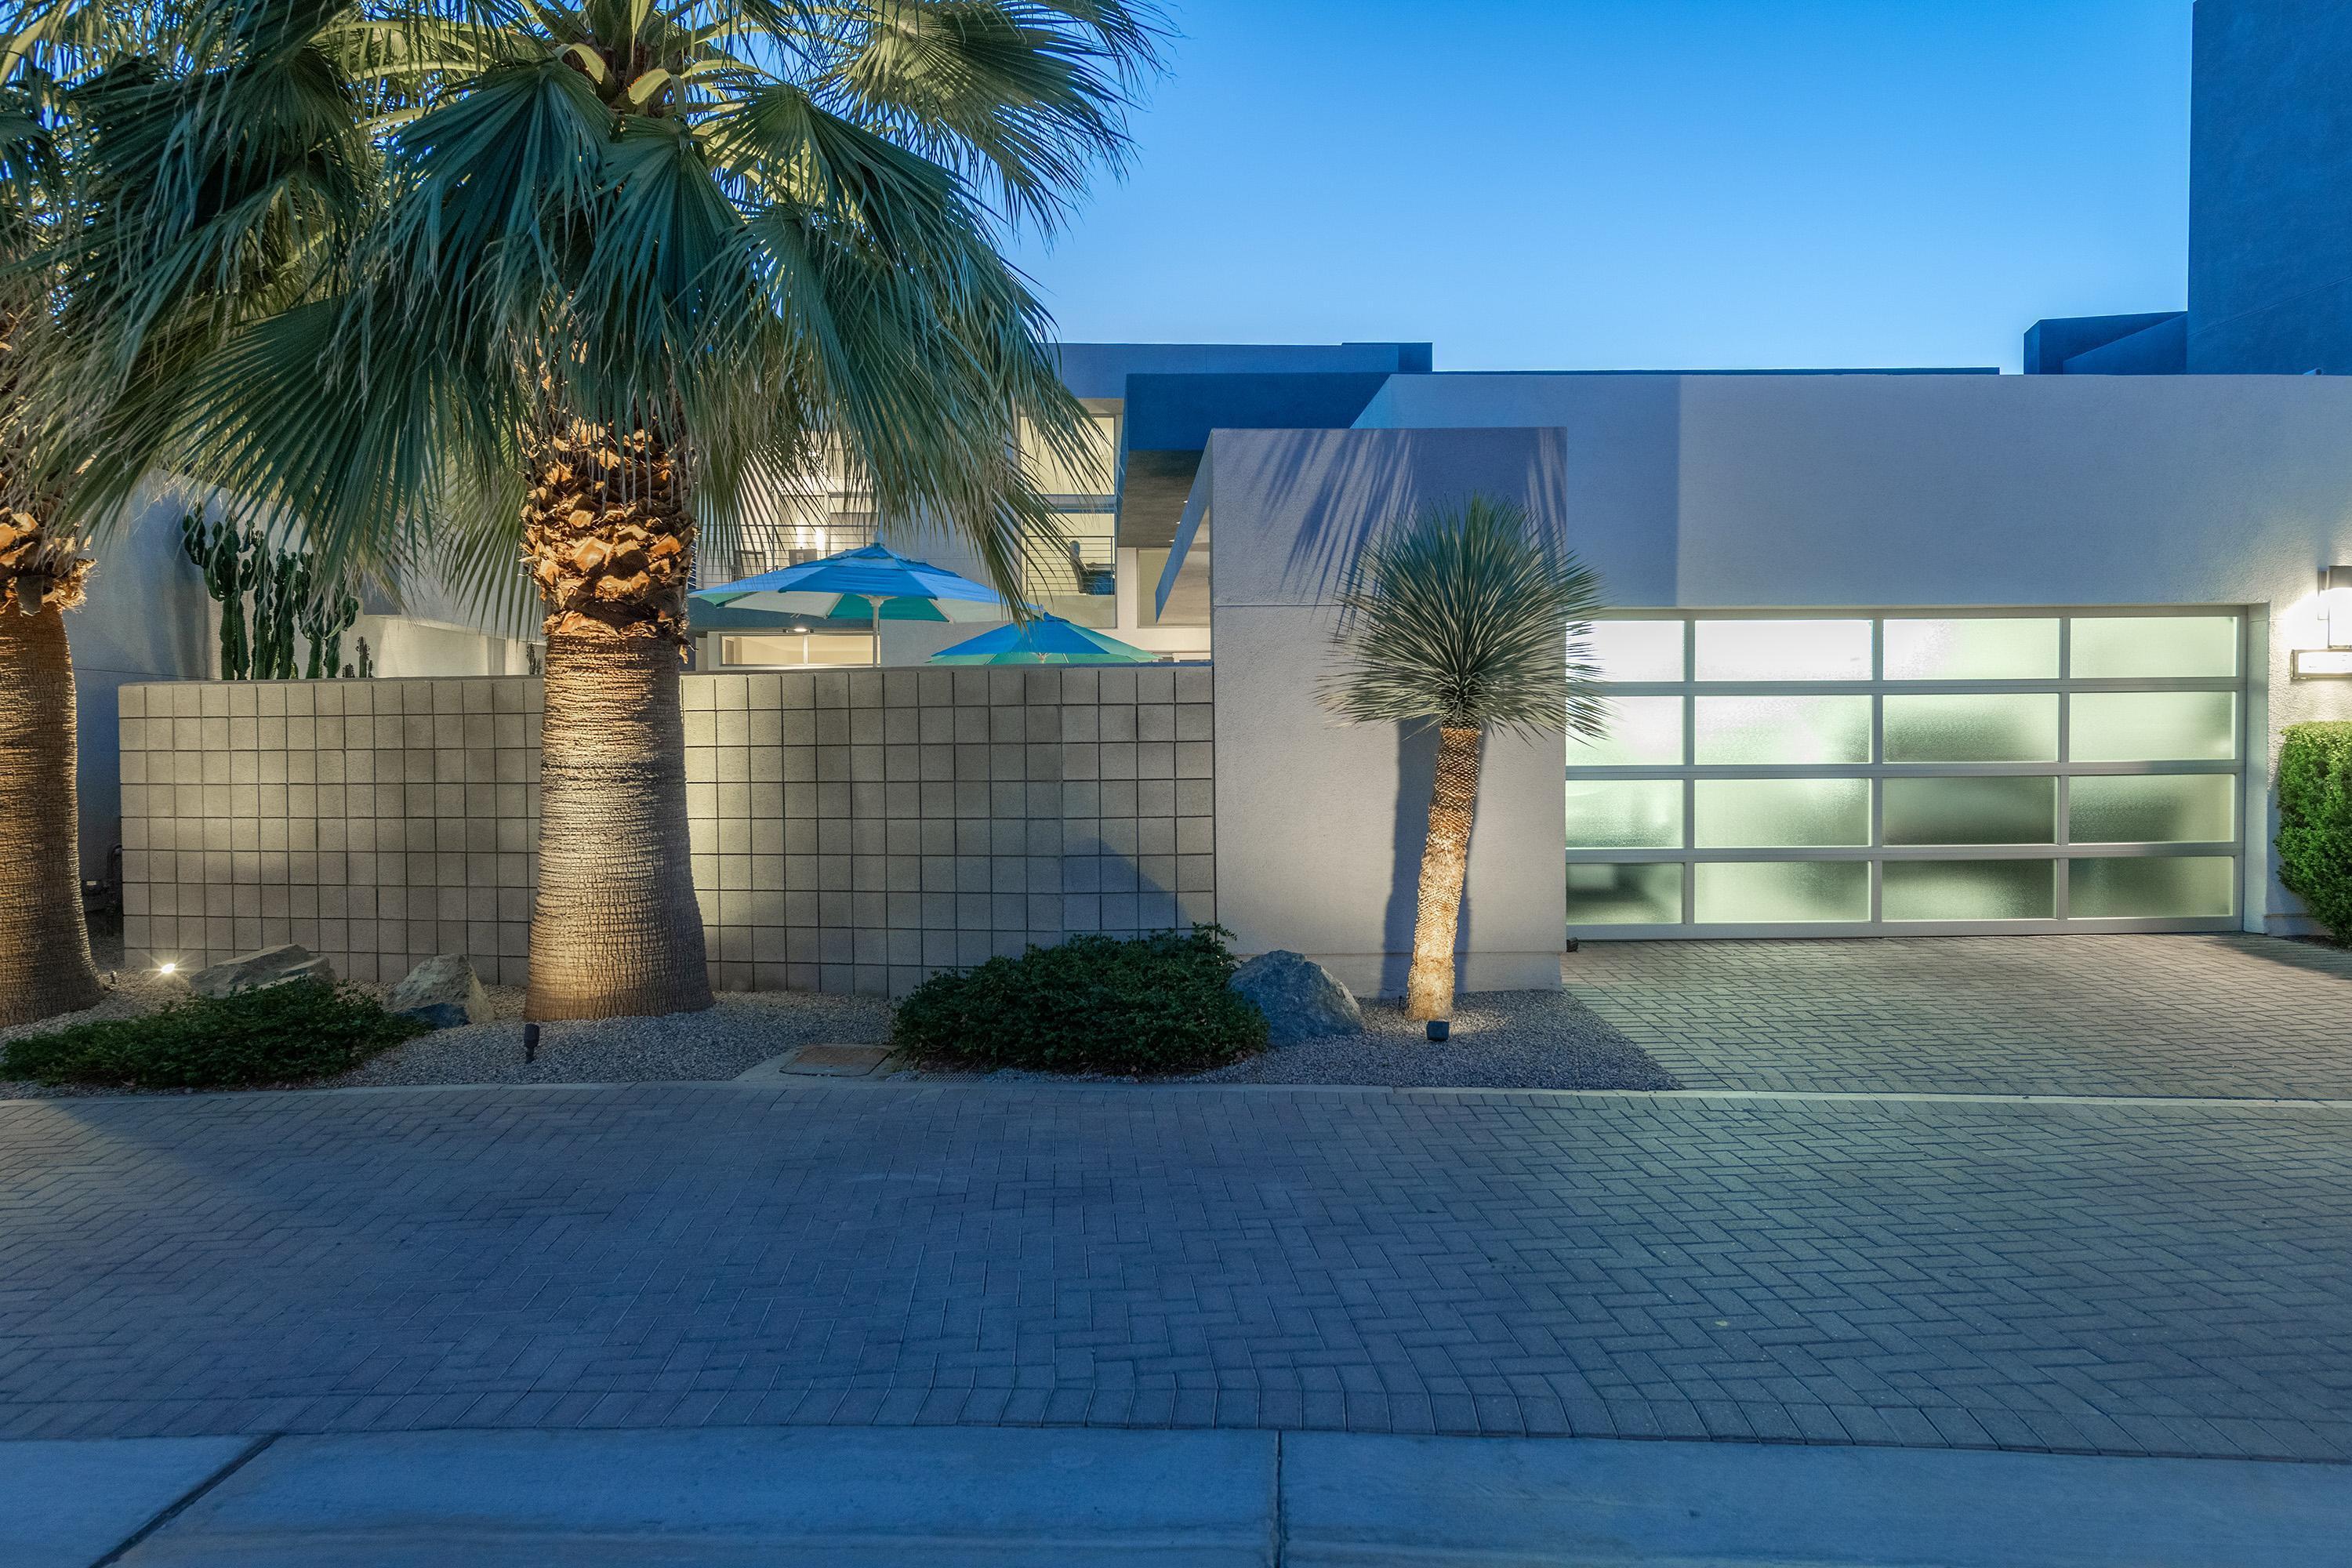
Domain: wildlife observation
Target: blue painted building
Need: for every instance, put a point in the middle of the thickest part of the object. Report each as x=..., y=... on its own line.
x=2270, y=210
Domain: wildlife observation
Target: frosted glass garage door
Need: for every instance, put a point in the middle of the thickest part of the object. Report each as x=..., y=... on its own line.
x=1911, y=772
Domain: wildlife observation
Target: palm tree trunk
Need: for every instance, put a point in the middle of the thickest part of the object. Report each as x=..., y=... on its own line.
x=1444, y=864
x=45, y=963
x=616, y=931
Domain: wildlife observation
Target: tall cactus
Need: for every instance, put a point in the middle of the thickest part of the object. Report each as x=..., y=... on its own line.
x=325, y=619
x=217, y=552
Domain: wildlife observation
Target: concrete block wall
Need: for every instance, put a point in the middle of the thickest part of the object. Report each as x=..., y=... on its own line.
x=850, y=830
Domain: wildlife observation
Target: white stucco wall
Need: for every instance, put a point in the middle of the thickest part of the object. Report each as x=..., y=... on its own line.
x=1701, y=491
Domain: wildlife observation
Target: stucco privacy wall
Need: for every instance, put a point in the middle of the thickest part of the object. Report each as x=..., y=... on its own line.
x=1321, y=823
x=852, y=830
x=1721, y=492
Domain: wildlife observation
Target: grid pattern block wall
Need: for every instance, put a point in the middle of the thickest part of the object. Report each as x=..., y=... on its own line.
x=850, y=830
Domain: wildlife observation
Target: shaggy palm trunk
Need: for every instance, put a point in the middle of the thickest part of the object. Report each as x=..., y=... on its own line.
x=616, y=931
x=44, y=963
x=1445, y=863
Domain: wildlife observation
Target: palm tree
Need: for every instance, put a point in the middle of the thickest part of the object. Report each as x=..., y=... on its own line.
x=131, y=244
x=1457, y=616
x=640, y=262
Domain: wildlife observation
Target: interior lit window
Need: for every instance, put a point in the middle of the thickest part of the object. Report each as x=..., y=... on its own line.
x=800, y=647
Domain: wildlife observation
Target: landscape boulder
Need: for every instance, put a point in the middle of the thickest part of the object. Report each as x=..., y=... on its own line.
x=444, y=991
x=1300, y=998
x=255, y=970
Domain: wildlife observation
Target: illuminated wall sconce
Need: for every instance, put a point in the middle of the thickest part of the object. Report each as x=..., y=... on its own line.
x=2333, y=662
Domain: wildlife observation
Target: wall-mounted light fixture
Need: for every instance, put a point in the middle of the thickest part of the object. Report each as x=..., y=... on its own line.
x=2333, y=662
x=2336, y=603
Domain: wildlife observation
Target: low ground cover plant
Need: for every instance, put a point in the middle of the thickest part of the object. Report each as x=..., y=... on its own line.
x=281, y=1033
x=1150, y=1004
x=2315, y=837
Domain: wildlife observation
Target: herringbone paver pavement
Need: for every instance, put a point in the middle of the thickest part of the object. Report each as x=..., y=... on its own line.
x=2227, y=1016
x=2124, y=1279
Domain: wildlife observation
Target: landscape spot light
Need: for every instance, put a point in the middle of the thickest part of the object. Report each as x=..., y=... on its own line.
x=167, y=967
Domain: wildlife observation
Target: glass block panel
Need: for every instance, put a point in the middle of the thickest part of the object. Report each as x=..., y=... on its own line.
x=1967, y=649
x=1784, y=650
x=1972, y=729
x=1638, y=650
x=2199, y=888
x=1631, y=814
x=2154, y=726
x=1783, y=730
x=1774, y=892
x=1969, y=890
x=2142, y=647
x=1783, y=814
x=1971, y=811
x=1643, y=732
x=2185, y=808
x=1625, y=895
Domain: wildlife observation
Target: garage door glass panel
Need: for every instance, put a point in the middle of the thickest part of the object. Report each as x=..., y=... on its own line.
x=1771, y=892
x=2154, y=726
x=1625, y=895
x=1971, y=811
x=1783, y=814
x=1637, y=650
x=2200, y=888
x=1750, y=732
x=1784, y=650
x=1970, y=890
x=1973, y=649
x=2155, y=647
x=1996, y=772
x=1968, y=727
x=1631, y=814
x=1643, y=732
x=2184, y=808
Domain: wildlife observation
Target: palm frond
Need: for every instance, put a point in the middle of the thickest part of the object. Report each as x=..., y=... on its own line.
x=1467, y=618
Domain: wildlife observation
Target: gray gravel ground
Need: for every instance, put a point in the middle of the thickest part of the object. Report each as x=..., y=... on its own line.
x=1501, y=1039
x=744, y=1029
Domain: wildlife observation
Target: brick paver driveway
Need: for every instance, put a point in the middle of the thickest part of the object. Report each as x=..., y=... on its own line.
x=2129, y=1278
x=2238, y=1017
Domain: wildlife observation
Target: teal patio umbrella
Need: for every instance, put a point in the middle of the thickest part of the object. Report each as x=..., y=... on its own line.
x=864, y=586
x=1048, y=640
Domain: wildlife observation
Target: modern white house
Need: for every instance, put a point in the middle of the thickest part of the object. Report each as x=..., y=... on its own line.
x=1890, y=653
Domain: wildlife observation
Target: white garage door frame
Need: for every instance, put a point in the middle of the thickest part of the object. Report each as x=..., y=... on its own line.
x=1592, y=864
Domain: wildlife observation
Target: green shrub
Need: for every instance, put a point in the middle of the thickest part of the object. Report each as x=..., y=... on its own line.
x=1154, y=1004
x=2315, y=837
x=281, y=1033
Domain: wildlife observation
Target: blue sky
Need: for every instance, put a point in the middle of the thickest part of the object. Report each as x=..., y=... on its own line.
x=1644, y=184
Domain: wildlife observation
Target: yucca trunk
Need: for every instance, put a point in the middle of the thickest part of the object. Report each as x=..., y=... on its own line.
x=44, y=963
x=1444, y=864
x=616, y=931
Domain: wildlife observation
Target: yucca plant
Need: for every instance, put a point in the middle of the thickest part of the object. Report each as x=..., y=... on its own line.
x=640, y=263
x=1469, y=619
x=136, y=234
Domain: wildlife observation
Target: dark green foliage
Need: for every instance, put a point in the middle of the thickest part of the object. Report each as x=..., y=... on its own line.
x=288, y=596
x=218, y=552
x=1154, y=1004
x=2315, y=837
x=282, y=1034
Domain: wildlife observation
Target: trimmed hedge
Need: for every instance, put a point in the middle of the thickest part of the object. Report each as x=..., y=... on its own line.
x=279, y=1034
x=1095, y=1003
x=2315, y=837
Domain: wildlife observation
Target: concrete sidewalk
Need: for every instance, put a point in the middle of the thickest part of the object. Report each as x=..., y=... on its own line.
x=975, y=1497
